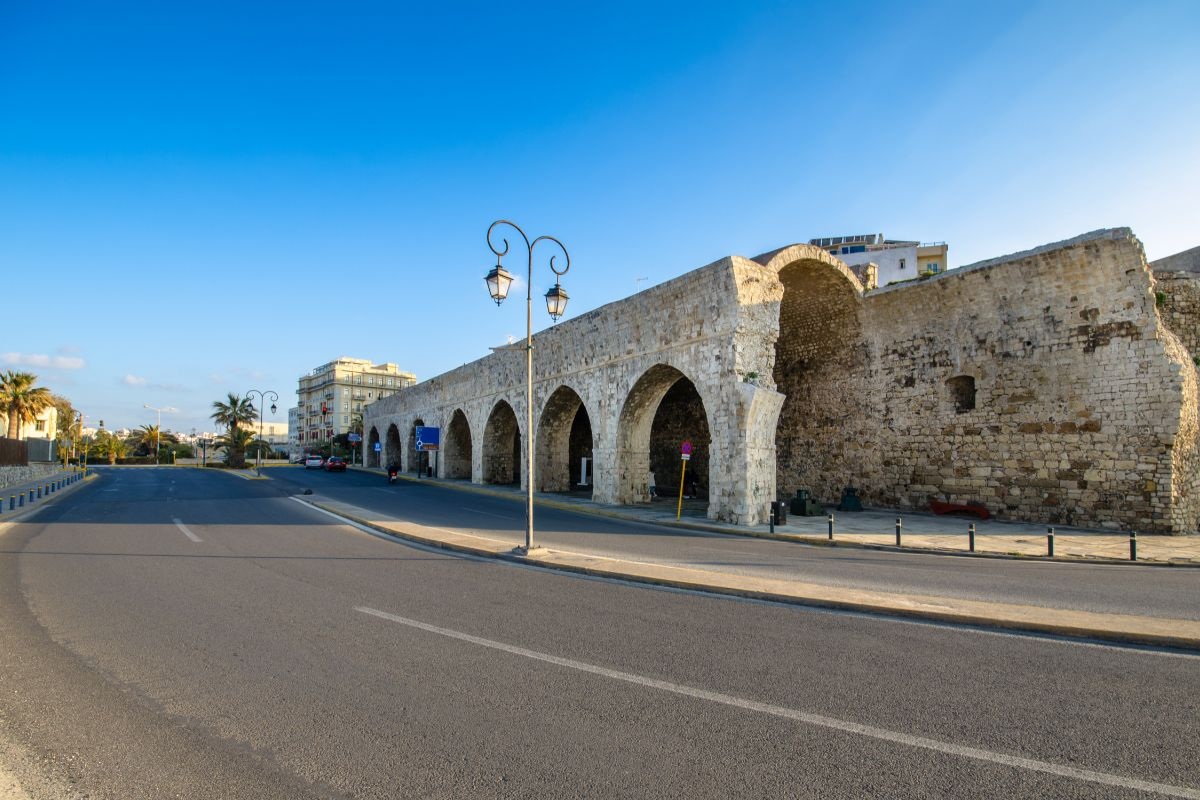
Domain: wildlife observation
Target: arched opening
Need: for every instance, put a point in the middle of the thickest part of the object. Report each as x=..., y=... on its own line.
x=564, y=439
x=372, y=440
x=416, y=458
x=456, y=447
x=502, y=446
x=819, y=440
x=391, y=450
x=662, y=411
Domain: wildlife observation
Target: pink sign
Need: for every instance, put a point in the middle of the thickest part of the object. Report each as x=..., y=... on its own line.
x=687, y=448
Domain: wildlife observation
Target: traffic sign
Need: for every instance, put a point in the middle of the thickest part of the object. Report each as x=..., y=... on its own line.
x=687, y=450
x=378, y=446
x=428, y=438
x=354, y=437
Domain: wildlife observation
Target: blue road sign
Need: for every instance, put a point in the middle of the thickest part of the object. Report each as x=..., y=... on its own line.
x=428, y=438
x=378, y=446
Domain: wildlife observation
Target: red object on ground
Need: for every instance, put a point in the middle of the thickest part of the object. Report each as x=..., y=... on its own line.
x=975, y=509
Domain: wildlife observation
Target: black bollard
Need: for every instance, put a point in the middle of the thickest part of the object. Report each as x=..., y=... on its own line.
x=831, y=527
x=22, y=503
x=12, y=502
x=1050, y=542
x=771, y=517
x=971, y=537
x=898, y=523
x=1133, y=545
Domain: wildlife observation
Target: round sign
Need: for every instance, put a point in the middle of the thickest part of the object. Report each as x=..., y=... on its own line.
x=687, y=448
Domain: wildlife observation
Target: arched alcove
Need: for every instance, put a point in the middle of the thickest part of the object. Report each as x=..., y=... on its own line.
x=502, y=446
x=456, y=447
x=372, y=456
x=564, y=439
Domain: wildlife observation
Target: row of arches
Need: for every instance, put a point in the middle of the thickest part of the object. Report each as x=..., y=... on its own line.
x=663, y=410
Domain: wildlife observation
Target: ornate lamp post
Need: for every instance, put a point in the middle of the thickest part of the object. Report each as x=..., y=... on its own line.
x=498, y=282
x=262, y=398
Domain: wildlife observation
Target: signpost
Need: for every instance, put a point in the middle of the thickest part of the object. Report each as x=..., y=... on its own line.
x=684, y=456
x=428, y=440
x=353, y=439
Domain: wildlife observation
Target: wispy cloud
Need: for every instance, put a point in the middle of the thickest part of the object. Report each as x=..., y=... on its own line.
x=42, y=361
x=137, y=380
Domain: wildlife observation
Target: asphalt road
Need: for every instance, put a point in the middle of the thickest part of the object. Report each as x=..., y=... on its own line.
x=1121, y=589
x=179, y=633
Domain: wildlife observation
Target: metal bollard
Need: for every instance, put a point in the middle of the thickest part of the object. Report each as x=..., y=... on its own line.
x=39, y=492
x=831, y=527
x=898, y=523
x=771, y=516
x=971, y=537
x=1133, y=545
x=31, y=495
x=12, y=502
x=1050, y=542
x=22, y=503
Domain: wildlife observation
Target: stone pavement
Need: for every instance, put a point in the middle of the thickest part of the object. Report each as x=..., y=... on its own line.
x=1115, y=627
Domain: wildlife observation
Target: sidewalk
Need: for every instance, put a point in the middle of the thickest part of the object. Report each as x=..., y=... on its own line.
x=1075, y=623
x=15, y=499
x=876, y=528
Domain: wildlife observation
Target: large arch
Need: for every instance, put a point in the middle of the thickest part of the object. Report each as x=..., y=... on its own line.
x=564, y=438
x=372, y=440
x=391, y=450
x=501, y=446
x=661, y=411
x=456, y=447
x=818, y=355
x=414, y=461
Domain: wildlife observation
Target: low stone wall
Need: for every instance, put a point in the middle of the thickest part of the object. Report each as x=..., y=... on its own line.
x=15, y=476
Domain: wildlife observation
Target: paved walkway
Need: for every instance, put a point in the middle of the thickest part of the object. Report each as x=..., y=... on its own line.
x=876, y=528
x=16, y=498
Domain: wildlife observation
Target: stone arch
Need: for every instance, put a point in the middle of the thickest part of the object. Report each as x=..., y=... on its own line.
x=564, y=437
x=456, y=447
x=662, y=410
x=414, y=463
x=391, y=449
x=821, y=441
x=372, y=440
x=502, y=446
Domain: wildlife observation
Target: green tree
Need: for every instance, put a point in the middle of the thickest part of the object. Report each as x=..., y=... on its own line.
x=148, y=439
x=109, y=446
x=20, y=400
x=235, y=413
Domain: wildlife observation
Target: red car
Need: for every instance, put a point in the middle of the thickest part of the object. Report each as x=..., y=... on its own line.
x=335, y=464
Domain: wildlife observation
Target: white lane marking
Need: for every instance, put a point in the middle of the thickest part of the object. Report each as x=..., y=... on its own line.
x=185, y=530
x=490, y=514
x=845, y=726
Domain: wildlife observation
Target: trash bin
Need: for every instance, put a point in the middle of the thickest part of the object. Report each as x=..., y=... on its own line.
x=779, y=512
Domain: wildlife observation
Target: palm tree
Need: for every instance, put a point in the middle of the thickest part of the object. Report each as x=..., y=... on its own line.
x=236, y=441
x=20, y=400
x=237, y=412
x=109, y=446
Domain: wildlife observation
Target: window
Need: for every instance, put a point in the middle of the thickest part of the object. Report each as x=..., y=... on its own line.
x=962, y=392
x=933, y=266
x=39, y=425
x=902, y=263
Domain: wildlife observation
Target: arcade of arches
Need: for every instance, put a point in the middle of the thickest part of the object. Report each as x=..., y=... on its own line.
x=784, y=372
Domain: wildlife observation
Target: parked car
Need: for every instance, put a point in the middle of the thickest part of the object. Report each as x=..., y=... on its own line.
x=314, y=462
x=335, y=464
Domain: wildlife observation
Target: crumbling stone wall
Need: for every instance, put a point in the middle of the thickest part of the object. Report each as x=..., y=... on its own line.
x=1045, y=384
x=1178, y=298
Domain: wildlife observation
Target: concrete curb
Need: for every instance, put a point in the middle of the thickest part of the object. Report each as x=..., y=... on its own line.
x=1128, y=629
x=807, y=539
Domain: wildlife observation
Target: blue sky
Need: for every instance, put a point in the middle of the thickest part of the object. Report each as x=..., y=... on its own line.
x=198, y=198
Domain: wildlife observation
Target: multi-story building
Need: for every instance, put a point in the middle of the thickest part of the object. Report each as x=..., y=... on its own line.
x=44, y=426
x=896, y=259
x=331, y=396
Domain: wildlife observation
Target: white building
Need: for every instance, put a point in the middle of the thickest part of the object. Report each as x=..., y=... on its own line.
x=897, y=259
x=333, y=395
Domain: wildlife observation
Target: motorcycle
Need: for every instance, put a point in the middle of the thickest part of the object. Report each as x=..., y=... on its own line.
x=393, y=473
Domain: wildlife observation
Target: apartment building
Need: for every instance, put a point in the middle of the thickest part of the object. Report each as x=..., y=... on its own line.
x=331, y=397
x=897, y=259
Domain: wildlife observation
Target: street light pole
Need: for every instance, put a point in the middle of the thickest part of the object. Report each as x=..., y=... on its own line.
x=498, y=281
x=262, y=399
x=158, y=436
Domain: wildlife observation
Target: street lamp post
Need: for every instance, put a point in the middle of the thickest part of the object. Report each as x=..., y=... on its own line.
x=498, y=282
x=158, y=437
x=262, y=399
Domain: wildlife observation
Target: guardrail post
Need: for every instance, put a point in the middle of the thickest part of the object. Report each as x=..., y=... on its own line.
x=831, y=527
x=971, y=537
x=898, y=524
x=1133, y=545
x=1050, y=542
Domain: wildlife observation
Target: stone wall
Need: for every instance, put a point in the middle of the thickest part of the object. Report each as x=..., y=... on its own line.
x=1044, y=384
x=1178, y=297
x=15, y=476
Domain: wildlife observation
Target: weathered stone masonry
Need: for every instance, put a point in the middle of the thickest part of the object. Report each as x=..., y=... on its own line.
x=1045, y=384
